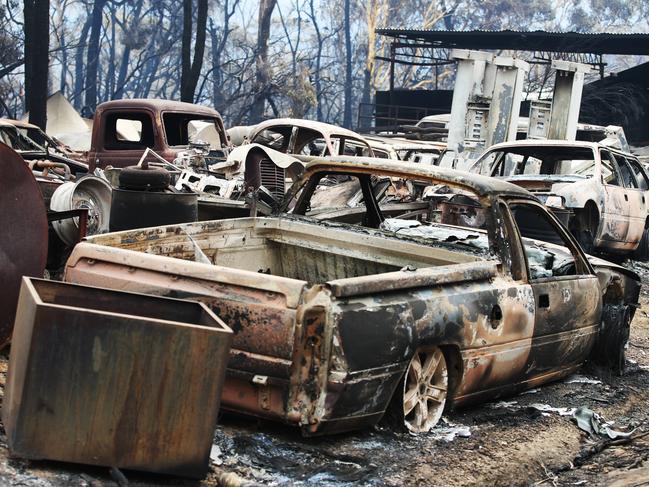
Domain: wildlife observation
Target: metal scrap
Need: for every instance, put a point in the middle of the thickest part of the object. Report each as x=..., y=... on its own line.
x=595, y=425
x=147, y=376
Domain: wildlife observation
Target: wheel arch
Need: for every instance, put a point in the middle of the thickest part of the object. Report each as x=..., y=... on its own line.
x=455, y=367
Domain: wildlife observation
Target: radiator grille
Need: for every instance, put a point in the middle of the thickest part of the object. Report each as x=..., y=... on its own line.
x=272, y=178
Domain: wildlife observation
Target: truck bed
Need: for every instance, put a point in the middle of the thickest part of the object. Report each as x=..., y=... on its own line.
x=307, y=252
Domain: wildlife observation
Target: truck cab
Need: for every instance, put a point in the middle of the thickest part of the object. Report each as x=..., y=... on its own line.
x=124, y=129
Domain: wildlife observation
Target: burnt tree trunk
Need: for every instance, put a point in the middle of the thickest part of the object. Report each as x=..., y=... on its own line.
x=266, y=8
x=109, y=83
x=126, y=56
x=191, y=69
x=347, y=110
x=37, y=39
x=64, y=65
x=92, y=62
x=78, y=65
x=217, y=72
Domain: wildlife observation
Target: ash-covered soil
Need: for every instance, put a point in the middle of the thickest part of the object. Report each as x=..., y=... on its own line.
x=522, y=440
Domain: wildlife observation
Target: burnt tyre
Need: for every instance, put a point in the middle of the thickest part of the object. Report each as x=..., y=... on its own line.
x=418, y=402
x=138, y=179
x=610, y=347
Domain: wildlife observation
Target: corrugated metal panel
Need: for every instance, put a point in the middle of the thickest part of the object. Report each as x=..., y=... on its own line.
x=578, y=42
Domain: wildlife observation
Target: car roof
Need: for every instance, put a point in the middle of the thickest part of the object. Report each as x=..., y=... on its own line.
x=18, y=123
x=159, y=106
x=478, y=184
x=555, y=143
x=546, y=143
x=324, y=128
x=400, y=143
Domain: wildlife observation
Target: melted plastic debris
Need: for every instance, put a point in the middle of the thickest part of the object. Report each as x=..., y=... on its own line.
x=545, y=409
x=593, y=424
x=215, y=455
x=446, y=431
x=530, y=391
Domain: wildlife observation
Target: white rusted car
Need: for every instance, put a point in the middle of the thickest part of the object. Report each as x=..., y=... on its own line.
x=599, y=192
x=308, y=138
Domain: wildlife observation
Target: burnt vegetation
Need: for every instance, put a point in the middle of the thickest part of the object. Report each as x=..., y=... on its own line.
x=250, y=60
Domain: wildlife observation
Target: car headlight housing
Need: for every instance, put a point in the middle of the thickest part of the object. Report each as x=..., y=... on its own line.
x=554, y=201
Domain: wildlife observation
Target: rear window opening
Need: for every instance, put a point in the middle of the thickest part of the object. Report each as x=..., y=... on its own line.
x=124, y=131
x=182, y=129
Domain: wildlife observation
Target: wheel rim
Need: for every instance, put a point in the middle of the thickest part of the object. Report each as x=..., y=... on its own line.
x=424, y=390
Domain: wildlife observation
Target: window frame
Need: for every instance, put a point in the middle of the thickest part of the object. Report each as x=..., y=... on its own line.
x=616, y=168
x=582, y=265
x=634, y=162
x=109, y=126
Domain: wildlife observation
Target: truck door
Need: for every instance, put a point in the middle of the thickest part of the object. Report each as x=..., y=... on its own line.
x=614, y=225
x=566, y=293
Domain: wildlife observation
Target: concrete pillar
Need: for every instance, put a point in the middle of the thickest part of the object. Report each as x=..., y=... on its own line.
x=469, y=82
x=509, y=77
x=566, y=100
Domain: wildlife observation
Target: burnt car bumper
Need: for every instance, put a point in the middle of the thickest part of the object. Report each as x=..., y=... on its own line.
x=357, y=399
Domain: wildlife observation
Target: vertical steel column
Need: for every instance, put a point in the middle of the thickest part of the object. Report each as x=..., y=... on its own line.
x=566, y=100
x=506, y=99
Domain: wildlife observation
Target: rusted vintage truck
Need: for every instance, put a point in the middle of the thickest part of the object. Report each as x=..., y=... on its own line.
x=335, y=323
x=123, y=129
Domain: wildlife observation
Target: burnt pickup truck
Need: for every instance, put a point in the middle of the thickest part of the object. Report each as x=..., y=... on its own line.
x=336, y=323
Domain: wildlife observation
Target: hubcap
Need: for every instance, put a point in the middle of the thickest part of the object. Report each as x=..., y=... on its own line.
x=425, y=388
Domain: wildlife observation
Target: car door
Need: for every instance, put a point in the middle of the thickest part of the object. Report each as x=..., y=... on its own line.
x=614, y=224
x=635, y=196
x=566, y=293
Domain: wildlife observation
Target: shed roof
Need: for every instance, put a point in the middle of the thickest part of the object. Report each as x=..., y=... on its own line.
x=576, y=42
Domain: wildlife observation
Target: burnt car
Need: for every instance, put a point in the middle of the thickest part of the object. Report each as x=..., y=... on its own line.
x=50, y=157
x=37, y=134
x=402, y=149
x=599, y=192
x=308, y=138
x=336, y=323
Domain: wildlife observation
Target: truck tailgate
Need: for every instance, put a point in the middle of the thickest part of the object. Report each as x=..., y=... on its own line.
x=259, y=308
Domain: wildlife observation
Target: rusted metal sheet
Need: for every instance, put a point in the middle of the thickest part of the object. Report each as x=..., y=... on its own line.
x=23, y=234
x=111, y=378
x=405, y=279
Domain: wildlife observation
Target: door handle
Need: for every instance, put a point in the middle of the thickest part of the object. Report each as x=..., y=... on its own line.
x=544, y=301
x=626, y=197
